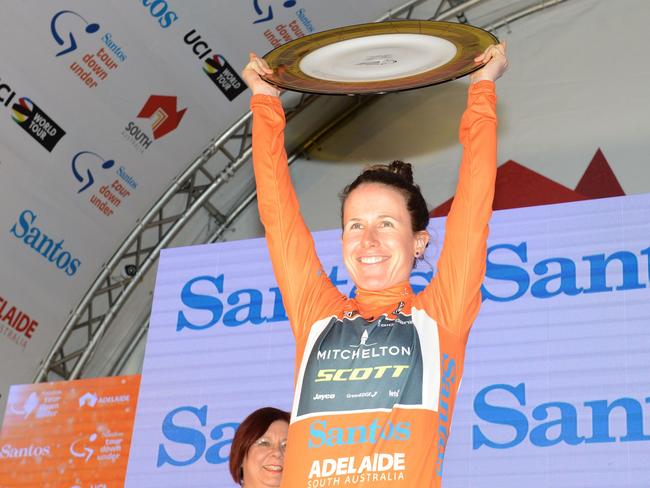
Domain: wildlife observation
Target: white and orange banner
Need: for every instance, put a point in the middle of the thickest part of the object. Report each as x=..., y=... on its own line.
x=74, y=434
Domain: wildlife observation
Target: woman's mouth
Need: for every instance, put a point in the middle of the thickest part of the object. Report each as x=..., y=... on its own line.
x=372, y=259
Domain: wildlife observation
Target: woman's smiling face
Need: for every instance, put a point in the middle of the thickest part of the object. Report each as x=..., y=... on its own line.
x=379, y=244
x=264, y=460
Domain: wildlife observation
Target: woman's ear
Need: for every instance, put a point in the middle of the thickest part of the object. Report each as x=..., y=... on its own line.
x=421, y=242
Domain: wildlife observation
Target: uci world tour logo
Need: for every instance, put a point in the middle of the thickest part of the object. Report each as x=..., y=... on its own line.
x=91, y=67
x=222, y=75
x=162, y=111
x=37, y=123
x=220, y=72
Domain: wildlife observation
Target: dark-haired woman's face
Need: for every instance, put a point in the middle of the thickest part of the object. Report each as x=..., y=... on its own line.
x=264, y=460
x=378, y=241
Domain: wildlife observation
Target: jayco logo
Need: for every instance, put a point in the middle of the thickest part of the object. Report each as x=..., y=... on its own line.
x=32, y=236
x=505, y=425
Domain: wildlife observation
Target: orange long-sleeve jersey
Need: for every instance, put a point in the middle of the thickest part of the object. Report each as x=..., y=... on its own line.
x=377, y=375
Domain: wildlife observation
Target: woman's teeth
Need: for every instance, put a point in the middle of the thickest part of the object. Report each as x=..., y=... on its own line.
x=372, y=259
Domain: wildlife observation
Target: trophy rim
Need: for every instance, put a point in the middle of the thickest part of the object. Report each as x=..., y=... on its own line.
x=469, y=41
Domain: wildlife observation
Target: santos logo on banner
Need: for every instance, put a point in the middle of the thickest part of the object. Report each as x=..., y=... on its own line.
x=562, y=420
x=509, y=277
x=563, y=426
x=556, y=367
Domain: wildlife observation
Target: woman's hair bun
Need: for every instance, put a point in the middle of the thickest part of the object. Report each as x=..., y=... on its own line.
x=397, y=175
x=402, y=169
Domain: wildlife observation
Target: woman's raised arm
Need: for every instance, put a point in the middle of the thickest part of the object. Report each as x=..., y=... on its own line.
x=306, y=289
x=455, y=291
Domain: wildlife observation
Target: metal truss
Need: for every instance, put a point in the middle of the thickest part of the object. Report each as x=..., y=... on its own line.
x=190, y=195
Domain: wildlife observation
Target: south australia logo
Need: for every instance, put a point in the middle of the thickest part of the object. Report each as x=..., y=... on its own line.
x=163, y=116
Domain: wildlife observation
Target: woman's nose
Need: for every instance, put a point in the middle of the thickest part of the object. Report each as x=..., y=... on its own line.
x=369, y=238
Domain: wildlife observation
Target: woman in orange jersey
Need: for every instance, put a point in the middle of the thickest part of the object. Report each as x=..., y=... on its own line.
x=377, y=375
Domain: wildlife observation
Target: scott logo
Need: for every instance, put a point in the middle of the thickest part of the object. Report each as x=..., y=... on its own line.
x=192, y=436
x=360, y=374
x=68, y=40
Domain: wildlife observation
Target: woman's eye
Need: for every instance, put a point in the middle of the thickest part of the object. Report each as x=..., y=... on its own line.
x=387, y=223
x=355, y=226
x=263, y=443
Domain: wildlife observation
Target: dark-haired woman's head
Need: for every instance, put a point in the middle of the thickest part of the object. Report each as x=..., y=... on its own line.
x=257, y=452
x=384, y=218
